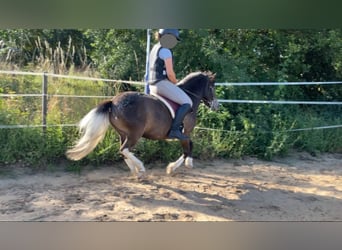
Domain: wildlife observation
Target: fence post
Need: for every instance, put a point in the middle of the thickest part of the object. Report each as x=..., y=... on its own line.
x=44, y=101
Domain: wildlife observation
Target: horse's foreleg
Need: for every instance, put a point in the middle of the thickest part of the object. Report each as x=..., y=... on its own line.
x=186, y=156
x=136, y=166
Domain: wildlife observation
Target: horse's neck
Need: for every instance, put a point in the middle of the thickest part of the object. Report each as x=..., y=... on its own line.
x=195, y=97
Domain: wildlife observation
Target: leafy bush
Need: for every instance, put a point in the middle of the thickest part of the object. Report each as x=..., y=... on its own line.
x=263, y=130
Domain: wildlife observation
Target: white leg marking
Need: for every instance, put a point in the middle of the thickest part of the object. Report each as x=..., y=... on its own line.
x=130, y=164
x=134, y=163
x=174, y=165
x=188, y=162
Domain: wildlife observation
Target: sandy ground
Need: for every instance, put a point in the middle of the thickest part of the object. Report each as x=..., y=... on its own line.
x=296, y=188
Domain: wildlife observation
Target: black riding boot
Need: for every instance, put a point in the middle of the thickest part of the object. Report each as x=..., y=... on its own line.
x=175, y=132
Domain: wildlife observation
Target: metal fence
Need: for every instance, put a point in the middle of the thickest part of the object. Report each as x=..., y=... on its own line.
x=44, y=95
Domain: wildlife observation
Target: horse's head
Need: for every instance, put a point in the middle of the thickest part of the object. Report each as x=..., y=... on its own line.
x=209, y=96
x=201, y=85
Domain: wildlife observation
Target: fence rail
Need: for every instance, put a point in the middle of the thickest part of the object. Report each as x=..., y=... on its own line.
x=219, y=100
x=70, y=77
x=44, y=95
x=143, y=83
x=199, y=128
x=273, y=83
x=279, y=102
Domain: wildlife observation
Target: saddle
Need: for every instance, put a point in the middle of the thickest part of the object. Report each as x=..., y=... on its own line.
x=171, y=105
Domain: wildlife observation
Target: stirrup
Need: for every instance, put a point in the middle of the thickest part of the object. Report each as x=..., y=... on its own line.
x=177, y=134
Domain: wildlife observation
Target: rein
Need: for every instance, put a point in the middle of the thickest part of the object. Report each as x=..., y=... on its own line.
x=195, y=95
x=191, y=93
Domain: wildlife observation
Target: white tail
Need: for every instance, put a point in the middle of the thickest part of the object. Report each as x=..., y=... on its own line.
x=93, y=128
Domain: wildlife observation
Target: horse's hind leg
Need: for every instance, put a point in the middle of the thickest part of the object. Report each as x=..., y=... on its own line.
x=136, y=166
x=130, y=164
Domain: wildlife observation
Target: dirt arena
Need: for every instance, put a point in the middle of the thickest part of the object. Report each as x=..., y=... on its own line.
x=295, y=188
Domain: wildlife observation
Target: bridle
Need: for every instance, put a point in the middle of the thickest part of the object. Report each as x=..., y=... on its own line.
x=205, y=100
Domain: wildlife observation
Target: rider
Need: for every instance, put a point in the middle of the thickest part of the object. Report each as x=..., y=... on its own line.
x=162, y=78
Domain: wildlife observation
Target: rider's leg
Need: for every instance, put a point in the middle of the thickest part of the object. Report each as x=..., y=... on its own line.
x=173, y=92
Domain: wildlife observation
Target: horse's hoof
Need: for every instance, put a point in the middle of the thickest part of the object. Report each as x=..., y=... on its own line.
x=188, y=163
x=168, y=171
x=141, y=175
x=171, y=172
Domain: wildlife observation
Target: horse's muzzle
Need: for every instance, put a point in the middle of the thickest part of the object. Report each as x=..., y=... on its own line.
x=214, y=105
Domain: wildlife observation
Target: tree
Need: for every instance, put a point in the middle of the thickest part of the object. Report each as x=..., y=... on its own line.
x=119, y=53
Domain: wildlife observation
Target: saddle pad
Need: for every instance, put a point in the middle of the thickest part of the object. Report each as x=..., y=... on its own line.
x=167, y=104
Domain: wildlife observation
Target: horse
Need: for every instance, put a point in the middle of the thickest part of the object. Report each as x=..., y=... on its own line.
x=134, y=115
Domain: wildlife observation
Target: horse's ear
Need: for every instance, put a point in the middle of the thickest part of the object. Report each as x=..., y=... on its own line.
x=212, y=77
